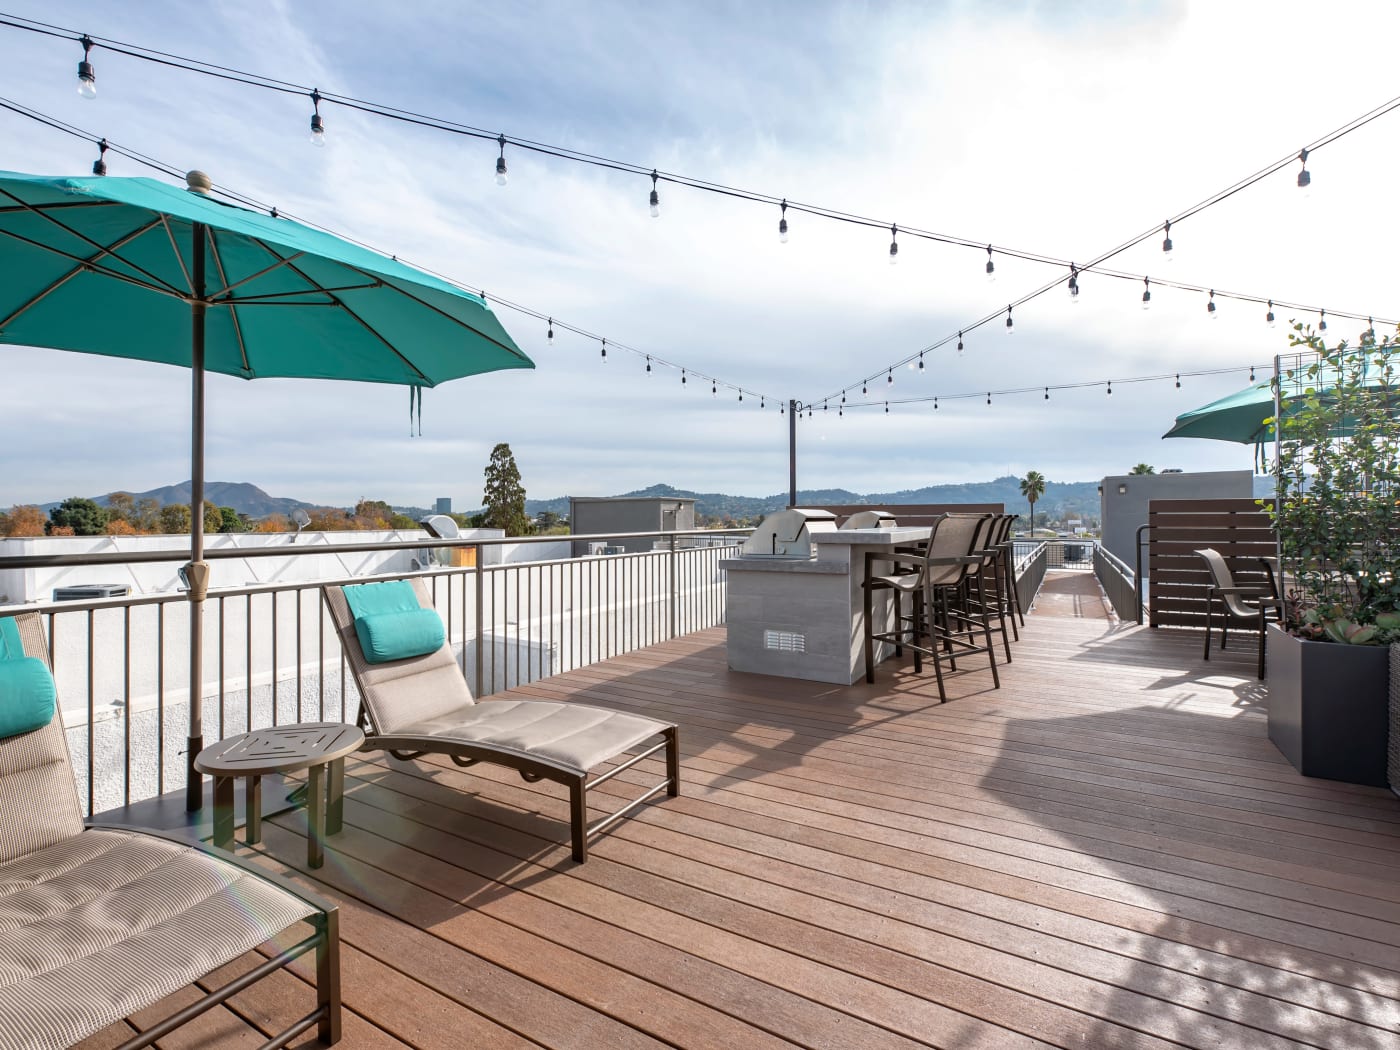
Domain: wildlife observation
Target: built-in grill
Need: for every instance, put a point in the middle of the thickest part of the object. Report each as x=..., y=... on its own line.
x=870, y=519
x=788, y=534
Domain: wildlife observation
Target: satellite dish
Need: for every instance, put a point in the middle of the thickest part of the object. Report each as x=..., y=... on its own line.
x=300, y=519
x=440, y=527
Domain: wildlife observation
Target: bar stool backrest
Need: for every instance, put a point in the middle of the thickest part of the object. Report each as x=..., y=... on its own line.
x=956, y=536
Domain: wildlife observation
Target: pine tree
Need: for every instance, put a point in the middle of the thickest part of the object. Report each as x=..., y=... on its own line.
x=505, y=495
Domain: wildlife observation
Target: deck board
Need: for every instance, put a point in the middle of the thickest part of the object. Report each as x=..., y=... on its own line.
x=1106, y=852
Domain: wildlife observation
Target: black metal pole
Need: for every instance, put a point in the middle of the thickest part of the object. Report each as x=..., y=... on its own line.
x=792, y=453
x=198, y=570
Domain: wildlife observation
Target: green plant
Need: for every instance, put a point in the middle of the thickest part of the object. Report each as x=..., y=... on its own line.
x=1337, y=507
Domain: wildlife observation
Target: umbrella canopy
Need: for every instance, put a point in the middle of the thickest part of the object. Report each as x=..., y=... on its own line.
x=105, y=266
x=136, y=268
x=1243, y=416
x=1237, y=417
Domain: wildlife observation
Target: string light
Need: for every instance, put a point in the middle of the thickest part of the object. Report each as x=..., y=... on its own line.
x=1047, y=393
x=1369, y=336
x=864, y=390
x=762, y=401
x=741, y=395
x=1010, y=324
x=894, y=244
x=87, y=76
x=825, y=406
x=605, y=351
x=1167, y=240
x=1146, y=294
x=1110, y=388
x=1269, y=317
x=99, y=166
x=921, y=362
x=648, y=364
x=989, y=397
x=655, y=197
x=501, y=177
x=1322, y=321
x=682, y=377
x=1251, y=373
x=991, y=267
x=1178, y=380
x=960, y=343
x=318, y=126
x=782, y=224
x=1304, y=176
x=887, y=408
x=1073, y=283
x=782, y=411
x=1210, y=306
x=714, y=389
x=549, y=334
x=935, y=404
x=840, y=412
x=889, y=378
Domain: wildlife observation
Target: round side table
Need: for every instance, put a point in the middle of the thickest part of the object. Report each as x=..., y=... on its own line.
x=318, y=747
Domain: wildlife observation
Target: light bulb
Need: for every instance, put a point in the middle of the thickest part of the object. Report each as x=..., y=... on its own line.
x=501, y=177
x=99, y=166
x=1269, y=317
x=87, y=76
x=605, y=351
x=960, y=345
x=1322, y=322
x=1073, y=287
x=782, y=223
x=1167, y=240
x=1146, y=294
x=921, y=361
x=655, y=197
x=889, y=378
x=1211, y=312
x=549, y=335
x=1010, y=324
x=648, y=365
x=1304, y=176
x=991, y=267
x=318, y=127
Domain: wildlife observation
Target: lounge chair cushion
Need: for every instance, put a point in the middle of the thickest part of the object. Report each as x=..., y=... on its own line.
x=11, y=645
x=26, y=696
x=399, y=635
x=108, y=922
x=573, y=736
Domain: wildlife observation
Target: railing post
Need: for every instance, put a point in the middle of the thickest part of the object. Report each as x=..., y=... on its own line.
x=675, y=590
x=480, y=627
x=1137, y=570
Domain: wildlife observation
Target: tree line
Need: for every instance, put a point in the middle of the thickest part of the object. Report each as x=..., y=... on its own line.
x=126, y=516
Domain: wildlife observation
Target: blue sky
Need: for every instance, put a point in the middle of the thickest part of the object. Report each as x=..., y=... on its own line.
x=1053, y=127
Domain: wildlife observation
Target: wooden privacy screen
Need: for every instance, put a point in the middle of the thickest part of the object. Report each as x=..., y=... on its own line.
x=1176, y=576
x=913, y=514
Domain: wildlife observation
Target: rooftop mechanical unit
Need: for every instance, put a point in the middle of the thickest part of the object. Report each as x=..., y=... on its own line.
x=788, y=534
x=90, y=592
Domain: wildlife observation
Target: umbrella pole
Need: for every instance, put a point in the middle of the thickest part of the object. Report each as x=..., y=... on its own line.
x=198, y=569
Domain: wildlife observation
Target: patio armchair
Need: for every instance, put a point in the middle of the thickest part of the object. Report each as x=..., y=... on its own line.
x=1235, y=602
x=421, y=704
x=99, y=922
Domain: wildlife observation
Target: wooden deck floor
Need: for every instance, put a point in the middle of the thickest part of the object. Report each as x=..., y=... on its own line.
x=1106, y=852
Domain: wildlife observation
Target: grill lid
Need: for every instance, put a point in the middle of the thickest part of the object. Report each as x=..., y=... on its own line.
x=788, y=534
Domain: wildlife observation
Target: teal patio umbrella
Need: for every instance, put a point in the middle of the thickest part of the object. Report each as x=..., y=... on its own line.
x=1241, y=417
x=140, y=269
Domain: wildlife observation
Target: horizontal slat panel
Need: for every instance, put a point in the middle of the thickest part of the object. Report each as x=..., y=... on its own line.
x=1196, y=506
x=1238, y=533
x=1209, y=520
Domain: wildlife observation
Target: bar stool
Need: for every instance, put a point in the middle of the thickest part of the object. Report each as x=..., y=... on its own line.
x=906, y=579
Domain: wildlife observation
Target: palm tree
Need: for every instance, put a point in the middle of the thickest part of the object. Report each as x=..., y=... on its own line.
x=1143, y=468
x=1033, y=487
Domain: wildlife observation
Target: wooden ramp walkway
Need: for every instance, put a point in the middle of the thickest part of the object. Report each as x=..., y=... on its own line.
x=1105, y=853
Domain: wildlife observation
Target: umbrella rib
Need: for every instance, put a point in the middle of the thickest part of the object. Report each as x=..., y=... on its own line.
x=429, y=306
x=42, y=212
x=349, y=312
x=233, y=314
x=268, y=297
x=253, y=277
x=61, y=281
x=175, y=251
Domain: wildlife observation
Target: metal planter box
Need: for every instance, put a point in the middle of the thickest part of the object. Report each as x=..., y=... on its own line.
x=1329, y=707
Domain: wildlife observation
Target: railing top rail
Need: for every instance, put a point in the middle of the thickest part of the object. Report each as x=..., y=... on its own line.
x=182, y=596
x=36, y=561
x=1117, y=562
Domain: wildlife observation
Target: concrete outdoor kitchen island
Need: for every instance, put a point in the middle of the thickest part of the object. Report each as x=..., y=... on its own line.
x=802, y=618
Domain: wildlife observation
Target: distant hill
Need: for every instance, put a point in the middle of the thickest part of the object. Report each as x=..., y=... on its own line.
x=242, y=496
x=1062, y=498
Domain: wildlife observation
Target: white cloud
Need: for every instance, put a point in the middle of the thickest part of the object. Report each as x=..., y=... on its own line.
x=1062, y=129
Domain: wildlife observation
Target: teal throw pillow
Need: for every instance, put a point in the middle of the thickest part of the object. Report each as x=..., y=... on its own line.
x=27, y=696
x=368, y=599
x=11, y=648
x=389, y=636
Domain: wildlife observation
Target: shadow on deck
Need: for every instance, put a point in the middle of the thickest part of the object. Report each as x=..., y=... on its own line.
x=1106, y=852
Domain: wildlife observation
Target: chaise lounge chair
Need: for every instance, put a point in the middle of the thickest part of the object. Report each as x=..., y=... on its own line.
x=421, y=704
x=98, y=923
